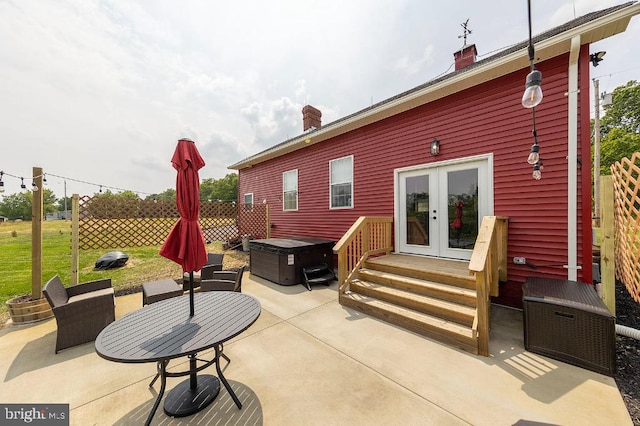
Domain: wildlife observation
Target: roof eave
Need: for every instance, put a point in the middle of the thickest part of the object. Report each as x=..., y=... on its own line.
x=590, y=32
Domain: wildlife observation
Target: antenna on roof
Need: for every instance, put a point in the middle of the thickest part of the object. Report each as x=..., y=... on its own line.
x=466, y=32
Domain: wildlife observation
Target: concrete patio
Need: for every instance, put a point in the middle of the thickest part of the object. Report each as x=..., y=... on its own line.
x=308, y=360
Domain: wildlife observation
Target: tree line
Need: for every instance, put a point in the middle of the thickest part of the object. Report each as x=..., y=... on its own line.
x=620, y=126
x=18, y=205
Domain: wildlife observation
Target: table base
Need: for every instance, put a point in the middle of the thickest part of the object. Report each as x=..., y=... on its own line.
x=183, y=401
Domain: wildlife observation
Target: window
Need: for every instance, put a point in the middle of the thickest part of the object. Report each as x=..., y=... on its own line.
x=248, y=201
x=290, y=190
x=341, y=182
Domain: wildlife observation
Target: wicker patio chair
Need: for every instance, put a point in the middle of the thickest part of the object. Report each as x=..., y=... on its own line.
x=81, y=311
x=206, y=273
x=215, y=259
x=228, y=280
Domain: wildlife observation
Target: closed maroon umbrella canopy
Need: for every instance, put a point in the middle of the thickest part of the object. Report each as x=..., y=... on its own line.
x=185, y=243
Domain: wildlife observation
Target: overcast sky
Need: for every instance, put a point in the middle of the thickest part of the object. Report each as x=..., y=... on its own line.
x=100, y=91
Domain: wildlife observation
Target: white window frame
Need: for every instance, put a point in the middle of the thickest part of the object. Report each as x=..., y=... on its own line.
x=285, y=191
x=331, y=183
x=248, y=206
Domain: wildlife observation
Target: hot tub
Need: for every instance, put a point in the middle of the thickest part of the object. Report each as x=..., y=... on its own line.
x=281, y=259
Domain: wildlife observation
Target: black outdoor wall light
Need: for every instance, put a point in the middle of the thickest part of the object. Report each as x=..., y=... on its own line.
x=435, y=147
x=596, y=58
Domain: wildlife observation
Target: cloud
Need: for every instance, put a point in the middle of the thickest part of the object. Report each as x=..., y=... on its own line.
x=413, y=65
x=273, y=120
x=101, y=90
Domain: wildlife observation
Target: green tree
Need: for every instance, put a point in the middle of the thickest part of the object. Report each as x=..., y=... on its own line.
x=64, y=203
x=18, y=205
x=169, y=194
x=618, y=144
x=49, y=200
x=620, y=126
x=624, y=112
x=225, y=189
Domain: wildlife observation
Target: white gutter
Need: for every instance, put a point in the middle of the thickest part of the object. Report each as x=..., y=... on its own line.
x=572, y=161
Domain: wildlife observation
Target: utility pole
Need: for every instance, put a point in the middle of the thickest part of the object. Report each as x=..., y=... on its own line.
x=596, y=153
x=65, y=200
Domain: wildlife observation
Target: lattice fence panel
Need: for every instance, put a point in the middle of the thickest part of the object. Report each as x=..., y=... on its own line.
x=626, y=183
x=112, y=222
x=252, y=220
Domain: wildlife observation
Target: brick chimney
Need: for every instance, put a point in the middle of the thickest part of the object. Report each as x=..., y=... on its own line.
x=311, y=118
x=465, y=56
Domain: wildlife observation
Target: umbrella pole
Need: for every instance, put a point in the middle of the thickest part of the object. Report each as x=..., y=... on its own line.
x=191, y=310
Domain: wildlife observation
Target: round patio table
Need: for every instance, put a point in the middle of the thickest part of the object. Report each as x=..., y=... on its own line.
x=164, y=330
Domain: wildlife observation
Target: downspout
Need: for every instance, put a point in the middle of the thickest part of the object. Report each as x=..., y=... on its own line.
x=572, y=162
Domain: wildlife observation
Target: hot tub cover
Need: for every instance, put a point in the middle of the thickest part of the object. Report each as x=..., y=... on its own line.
x=290, y=244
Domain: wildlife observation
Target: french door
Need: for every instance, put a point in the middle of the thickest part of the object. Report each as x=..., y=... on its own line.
x=439, y=208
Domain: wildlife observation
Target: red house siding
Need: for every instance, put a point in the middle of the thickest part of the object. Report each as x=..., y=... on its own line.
x=481, y=120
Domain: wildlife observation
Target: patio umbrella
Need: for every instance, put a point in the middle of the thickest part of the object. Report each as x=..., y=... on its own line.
x=185, y=243
x=457, y=222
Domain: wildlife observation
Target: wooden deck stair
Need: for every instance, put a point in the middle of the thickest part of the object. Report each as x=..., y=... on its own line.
x=432, y=297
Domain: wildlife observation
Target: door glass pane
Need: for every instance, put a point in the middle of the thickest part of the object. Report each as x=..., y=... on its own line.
x=417, y=210
x=462, y=200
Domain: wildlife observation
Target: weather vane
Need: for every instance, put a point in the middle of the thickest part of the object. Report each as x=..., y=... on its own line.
x=466, y=32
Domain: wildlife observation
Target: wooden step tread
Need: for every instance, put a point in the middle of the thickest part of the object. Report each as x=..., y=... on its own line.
x=456, y=308
x=387, y=277
x=430, y=326
x=416, y=262
x=452, y=327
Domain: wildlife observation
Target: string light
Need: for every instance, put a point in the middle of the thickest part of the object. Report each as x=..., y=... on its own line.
x=44, y=180
x=532, y=98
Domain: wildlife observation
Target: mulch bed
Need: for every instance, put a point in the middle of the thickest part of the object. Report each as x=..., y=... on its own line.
x=628, y=353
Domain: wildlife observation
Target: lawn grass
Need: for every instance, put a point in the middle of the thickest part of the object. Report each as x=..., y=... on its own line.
x=145, y=264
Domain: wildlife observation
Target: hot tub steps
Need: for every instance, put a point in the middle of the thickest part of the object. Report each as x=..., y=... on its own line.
x=317, y=274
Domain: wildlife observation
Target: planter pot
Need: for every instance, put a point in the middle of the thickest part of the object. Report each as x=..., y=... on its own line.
x=24, y=310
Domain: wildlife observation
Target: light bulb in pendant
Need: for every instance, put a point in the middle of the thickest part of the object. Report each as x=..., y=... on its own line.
x=536, y=172
x=534, y=155
x=533, y=92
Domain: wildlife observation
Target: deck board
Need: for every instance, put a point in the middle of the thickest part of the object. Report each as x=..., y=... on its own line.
x=446, y=266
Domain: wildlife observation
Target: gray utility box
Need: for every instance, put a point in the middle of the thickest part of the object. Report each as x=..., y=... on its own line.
x=281, y=259
x=567, y=321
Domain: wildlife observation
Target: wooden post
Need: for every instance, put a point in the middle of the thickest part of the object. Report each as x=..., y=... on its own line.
x=36, y=234
x=483, y=313
x=75, y=238
x=607, y=239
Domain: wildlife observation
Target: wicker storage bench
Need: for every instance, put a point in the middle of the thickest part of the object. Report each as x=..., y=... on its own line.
x=567, y=321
